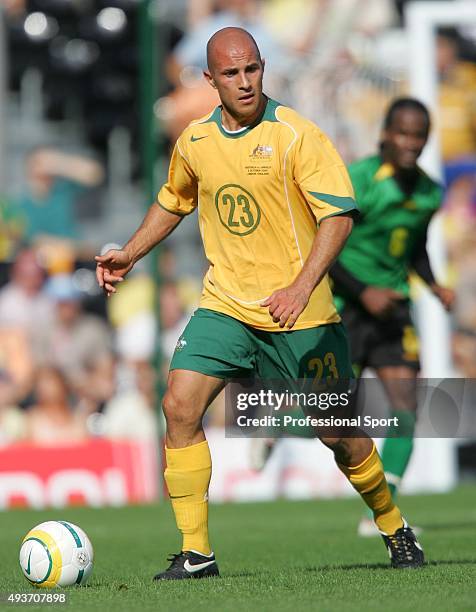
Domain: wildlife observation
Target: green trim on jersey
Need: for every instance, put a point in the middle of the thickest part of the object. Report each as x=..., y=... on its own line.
x=391, y=225
x=343, y=203
x=269, y=114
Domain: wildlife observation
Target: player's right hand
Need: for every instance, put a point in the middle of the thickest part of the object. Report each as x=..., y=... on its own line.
x=111, y=268
x=380, y=301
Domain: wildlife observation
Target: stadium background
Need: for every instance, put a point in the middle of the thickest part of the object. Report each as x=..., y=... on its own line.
x=92, y=97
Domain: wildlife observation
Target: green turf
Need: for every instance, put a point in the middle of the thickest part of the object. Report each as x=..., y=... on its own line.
x=273, y=556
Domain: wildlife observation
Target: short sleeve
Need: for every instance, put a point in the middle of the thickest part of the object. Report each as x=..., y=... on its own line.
x=322, y=177
x=361, y=181
x=179, y=195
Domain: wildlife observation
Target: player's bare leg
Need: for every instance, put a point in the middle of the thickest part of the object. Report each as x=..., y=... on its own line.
x=349, y=452
x=187, y=398
x=189, y=470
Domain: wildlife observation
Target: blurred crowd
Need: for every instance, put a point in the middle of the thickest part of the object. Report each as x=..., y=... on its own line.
x=73, y=366
x=66, y=372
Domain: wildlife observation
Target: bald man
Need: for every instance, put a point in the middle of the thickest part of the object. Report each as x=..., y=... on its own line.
x=275, y=208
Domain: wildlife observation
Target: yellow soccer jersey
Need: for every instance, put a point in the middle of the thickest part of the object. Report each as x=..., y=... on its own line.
x=261, y=193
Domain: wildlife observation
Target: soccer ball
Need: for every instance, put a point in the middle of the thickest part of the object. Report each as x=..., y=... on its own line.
x=56, y=553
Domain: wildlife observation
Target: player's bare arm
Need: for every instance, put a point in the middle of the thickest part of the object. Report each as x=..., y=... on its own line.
x=380, y=301
x=444, y=294
x=422, y=266
x=112, y=267
x=377, y=301
x=285, y=305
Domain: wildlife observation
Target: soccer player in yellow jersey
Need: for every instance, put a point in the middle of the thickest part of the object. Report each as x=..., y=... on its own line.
x=275, y=207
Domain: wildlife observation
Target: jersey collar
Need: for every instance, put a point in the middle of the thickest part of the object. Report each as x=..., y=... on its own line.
x=268, y=114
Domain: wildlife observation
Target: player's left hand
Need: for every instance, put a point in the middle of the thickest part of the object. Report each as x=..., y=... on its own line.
x=285, y=305
x=445, y=295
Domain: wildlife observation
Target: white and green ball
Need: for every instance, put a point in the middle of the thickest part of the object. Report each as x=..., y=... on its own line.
x=56, y=553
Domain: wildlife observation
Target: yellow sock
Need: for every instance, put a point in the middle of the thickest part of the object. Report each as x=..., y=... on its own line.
x=368, y=479
x=187, y=476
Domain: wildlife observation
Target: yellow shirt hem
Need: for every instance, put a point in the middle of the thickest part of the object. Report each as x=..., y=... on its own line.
x=272, y=327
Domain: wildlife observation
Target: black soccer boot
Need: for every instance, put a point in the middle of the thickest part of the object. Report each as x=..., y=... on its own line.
x=403, y=548
x=189, y=564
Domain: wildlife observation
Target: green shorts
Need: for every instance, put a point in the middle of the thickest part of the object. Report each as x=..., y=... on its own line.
x=219, y=345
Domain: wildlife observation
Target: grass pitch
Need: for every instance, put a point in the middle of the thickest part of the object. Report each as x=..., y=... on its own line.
x=273, y=556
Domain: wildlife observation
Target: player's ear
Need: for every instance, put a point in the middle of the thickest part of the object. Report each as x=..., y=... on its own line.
x=263, y=63
x=210, y=80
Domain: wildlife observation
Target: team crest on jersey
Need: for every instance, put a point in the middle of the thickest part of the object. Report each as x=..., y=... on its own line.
x=261, y=151
x=181, y=344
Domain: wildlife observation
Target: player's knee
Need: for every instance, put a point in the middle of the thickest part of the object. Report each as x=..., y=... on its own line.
x=349, y=450
x=177, y=410
x=341, y=447
x=334, y=443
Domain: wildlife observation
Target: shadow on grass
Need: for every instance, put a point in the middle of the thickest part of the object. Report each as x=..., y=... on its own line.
x=323, y=568
x=435, y=562
x=244, y=574
x=333, y=568
x=386, y=566
x=352, y=566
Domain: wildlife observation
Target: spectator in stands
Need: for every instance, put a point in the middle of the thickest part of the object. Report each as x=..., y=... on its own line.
x=54, y=181
x=459, y=219
x=457, y=119
x=325, y=27
x=52, y=420
x=132, y=314
x=16, y=359
x=73, y=338
x=457, y=99
x=128, y=415
x=99, y=384
x=12, y=419
x=117, y=400
x=173, y=318
x=14, y=8
x=458, y=142
x=23, y=302
x=464, y=352
x=190, y=51
x=192, y=97
x=464, y=339
x=10, y=230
